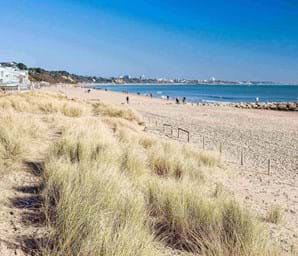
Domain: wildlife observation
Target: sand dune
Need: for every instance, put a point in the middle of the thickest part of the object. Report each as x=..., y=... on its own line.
x=261, y=134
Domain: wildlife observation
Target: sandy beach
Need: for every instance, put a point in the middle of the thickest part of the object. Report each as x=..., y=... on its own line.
x=260, y=135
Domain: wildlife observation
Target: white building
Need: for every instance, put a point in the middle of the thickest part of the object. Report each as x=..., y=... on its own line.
x=212, y=79
x=14, y=77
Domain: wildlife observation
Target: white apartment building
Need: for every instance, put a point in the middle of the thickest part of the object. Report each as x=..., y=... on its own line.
x=14, y=77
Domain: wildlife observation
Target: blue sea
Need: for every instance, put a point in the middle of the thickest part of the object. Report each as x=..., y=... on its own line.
x=212, y=93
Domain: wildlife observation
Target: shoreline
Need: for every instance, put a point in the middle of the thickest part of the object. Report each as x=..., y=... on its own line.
x=276, y=106
x=260, y=134
x=217, y=99
x=209, y=84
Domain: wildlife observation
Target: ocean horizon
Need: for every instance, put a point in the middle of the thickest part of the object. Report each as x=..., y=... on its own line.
x=210, y=93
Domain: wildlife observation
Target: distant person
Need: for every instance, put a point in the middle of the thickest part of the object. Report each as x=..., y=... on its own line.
x=257, y=100
x=168, y=97
x=183, y=100
x=177, y=101
x=138, y=93
x=150, y=95
x=89, y=90
x=127, y=99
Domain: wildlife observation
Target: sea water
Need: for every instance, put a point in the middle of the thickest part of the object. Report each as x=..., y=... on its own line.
x=212, y=93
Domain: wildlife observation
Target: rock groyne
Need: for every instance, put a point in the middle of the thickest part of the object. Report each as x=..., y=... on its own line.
x=278, y=106
x=281, y=106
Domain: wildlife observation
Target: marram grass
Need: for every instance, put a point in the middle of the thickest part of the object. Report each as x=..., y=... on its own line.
x=113, y=190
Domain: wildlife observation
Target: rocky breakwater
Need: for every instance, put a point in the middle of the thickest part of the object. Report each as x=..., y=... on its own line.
x=281, y=106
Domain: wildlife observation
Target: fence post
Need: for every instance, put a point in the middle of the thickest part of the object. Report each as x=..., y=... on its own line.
x=269, y=166
x=188, y=137
x=172, y=131
x=178, y=133
x=203, y=142
x=220, y=147
x=241, y=161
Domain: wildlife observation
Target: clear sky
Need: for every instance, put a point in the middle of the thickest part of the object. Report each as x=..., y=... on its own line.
x=227, y=39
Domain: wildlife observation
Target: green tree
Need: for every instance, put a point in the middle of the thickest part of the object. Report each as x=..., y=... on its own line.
x=22, y=66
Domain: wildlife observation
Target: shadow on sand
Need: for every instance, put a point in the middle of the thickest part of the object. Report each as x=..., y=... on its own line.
x=32, y=205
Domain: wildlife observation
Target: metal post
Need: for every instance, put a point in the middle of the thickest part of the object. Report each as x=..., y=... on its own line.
x=171, y=130
x=220, y=147
x=188, y=137
x=178, y=133
x=269, y=166
x=203, y=142
x=242, y=156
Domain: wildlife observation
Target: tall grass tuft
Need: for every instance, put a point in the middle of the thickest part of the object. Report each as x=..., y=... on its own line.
x=99, y=212
x=274, y=215
x=18, y=136
x=113, y=111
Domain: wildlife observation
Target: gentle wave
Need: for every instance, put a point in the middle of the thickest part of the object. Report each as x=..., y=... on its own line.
x=214, y=93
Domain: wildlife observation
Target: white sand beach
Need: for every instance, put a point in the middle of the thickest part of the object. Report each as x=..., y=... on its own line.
x=261, y=135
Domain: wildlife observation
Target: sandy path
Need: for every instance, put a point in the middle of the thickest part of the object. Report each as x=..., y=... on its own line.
x=261, y=134
x=17, y=202
x=21, y=219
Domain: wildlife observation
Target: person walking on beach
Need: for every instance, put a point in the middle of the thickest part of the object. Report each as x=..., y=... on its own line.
x=177, y=101
x=183, y=100
x=127, y=99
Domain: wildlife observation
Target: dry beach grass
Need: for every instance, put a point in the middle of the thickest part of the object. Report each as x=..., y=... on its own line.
x=263, y=134
x=112, y=189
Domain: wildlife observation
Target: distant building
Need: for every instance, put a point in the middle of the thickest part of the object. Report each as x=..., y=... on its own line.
x=14, y=77
x=125, y=77
x=212, y=79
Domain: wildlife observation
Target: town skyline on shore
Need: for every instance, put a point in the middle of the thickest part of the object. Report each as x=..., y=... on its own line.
x=39, y=72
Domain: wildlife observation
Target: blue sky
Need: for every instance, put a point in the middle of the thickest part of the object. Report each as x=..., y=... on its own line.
x=237, y=40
